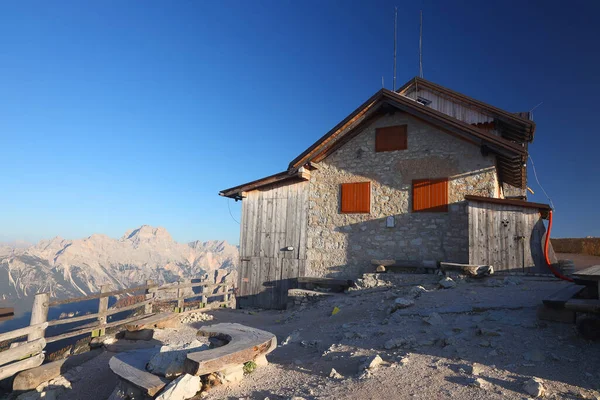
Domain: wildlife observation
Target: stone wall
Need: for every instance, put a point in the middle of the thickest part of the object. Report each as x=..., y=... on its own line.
x=509, y=190
x=343, y=244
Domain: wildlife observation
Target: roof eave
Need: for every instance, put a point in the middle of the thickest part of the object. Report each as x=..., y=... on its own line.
x=236, y=191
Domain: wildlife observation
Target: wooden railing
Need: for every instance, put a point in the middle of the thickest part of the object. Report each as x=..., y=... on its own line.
x=30, y=353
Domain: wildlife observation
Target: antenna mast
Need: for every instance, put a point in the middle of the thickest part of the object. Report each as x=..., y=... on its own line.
x=420, y=46
x=395, y=36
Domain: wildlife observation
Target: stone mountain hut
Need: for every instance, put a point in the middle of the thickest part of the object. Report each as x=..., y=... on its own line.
x=423, y=174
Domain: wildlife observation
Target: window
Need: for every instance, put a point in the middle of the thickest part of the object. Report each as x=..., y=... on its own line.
x=390, y=138
x=430, y=195
x=356, y=197
x=423, y=100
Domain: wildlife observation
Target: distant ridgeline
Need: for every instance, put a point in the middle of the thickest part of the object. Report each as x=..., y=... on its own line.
x=589, y=246
x=68, y=268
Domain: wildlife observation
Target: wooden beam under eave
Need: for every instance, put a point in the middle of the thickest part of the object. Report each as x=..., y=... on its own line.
x=303, y=174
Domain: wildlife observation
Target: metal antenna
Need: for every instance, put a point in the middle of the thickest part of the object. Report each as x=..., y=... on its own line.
x=421, y=46
x=531, y=111
x=382, y=82
x=395, y=36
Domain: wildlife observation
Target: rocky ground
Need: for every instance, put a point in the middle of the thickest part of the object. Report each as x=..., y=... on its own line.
x=477, y=339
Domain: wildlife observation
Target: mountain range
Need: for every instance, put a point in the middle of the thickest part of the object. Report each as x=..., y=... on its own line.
x=69, y=268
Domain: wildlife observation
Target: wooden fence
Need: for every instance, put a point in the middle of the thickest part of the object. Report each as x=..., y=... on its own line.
x=29, y=354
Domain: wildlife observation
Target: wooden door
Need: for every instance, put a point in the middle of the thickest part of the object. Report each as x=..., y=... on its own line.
x=272, y=244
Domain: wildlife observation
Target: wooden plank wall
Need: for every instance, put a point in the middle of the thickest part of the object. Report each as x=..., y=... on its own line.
x=272, y=220
x=453, y=108
x=492, y=232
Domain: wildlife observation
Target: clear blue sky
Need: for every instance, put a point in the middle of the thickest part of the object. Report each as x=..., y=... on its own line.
x=115, y=114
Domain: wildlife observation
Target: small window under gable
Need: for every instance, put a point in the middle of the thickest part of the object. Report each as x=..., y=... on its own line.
x=423, y=101
x=430, y=195
x=356, y=198
x=391, y=138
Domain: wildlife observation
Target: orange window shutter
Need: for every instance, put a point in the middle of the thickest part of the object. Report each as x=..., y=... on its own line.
x=391, y=138
x=430, y=195
x=356, y=197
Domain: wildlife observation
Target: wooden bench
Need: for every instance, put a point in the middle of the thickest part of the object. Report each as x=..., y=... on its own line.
x=243, y=344
x=561, y=297
x=336, y=285
x=131, y=367
x=407, y=265
x=589, y=277
x=160, y=320
x=468, y=269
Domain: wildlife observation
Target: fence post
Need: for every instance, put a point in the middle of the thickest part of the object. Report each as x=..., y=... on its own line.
x=149, y=295
x=204, y=300
x=179, y=307
x=102, y=308
x=39, y=314
x=232, y=297
x=226, y=297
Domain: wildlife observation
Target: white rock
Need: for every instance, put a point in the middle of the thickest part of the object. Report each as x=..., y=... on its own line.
x=366, y=374
x=416, y=291
x=477, y=382
x=475, y=369
x=169, y=361
x=434, y=319
x=196, y=317
x=371, y=363
x=534, y=387
x=231, y=374
x=403, y=303
x=400, y=303
x=335, y=375
x=447, y=283
x=293, y=337
x=184, y=387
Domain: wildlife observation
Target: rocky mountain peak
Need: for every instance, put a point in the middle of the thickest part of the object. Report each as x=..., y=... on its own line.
x=147, y=234
x=75, y=267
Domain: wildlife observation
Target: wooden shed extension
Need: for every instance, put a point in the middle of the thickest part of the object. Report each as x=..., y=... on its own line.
x=541, y=207
x=506, y=233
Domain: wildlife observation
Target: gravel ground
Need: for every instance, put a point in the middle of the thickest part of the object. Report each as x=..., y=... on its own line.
x=430, y=349
x=435, y=360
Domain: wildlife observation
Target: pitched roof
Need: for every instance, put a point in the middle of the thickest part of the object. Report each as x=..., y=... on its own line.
x=510, y=155
x=386, y=97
